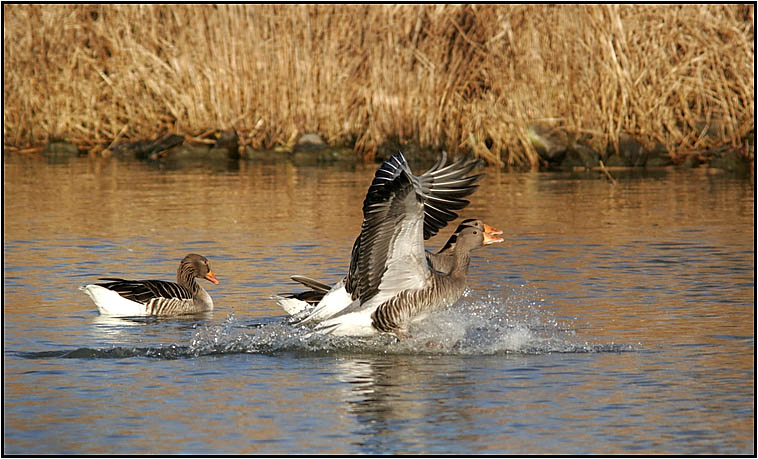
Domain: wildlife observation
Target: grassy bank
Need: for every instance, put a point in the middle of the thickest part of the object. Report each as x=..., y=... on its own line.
x=466, y=78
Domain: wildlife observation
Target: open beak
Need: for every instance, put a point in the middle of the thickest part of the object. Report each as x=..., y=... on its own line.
x=491, y=229
x=212, y=277
x=490, y=239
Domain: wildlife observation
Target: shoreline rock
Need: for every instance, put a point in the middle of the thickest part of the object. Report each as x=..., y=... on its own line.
x=557, y=150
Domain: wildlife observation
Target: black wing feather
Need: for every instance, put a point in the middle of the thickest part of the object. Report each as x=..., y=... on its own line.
x=383, y=210
x=142, y=291
x=441, y=189
x=312, y=283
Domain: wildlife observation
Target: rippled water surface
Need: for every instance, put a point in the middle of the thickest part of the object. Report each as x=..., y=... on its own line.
x=612, y=320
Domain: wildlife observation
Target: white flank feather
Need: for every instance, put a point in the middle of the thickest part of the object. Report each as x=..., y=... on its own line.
x=111, y=303
x=333, y=302
x=291, y=306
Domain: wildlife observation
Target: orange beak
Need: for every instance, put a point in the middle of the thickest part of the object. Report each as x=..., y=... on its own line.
x=490, y=239
x=212, y=277
x=491, y=229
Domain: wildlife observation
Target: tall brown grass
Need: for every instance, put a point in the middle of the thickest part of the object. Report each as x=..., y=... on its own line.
x=463, y=77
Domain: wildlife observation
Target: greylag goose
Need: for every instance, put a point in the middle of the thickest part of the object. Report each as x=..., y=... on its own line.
x=121, y=297
x=441, y=190
x=391, y=309
x=441, y=261
x=391, y=283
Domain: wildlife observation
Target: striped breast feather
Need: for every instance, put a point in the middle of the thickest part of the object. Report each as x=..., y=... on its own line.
x=167, y=306
x=142, y=291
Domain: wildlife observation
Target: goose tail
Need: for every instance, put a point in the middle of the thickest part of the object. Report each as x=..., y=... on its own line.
x=111, y=303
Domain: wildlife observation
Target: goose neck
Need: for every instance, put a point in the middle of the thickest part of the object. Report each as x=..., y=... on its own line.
x=461, y=261
x=186, y=278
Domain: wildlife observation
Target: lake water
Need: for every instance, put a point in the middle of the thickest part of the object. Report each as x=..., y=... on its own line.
x=612, y=320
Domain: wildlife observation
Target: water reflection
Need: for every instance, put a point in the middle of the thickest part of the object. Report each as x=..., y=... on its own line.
x=385, y=401
x=117, y=329
x=612, y=320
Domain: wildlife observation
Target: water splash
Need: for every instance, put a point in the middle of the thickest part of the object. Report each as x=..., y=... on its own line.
x=479, y=324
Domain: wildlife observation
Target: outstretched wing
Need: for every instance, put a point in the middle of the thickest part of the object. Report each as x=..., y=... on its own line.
x=440, y=190
x=389, y=254
x=443, y=189
x=142, y=291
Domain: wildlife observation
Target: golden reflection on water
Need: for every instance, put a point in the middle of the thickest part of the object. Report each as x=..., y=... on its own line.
x=113, y=199
x=665, y=264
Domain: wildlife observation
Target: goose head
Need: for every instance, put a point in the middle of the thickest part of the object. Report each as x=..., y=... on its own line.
x=469, y=223
x=194, y=265
x=471, y=238
x=476, y=223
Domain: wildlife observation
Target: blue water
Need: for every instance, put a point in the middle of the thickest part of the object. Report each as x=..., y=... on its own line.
x=612, y=320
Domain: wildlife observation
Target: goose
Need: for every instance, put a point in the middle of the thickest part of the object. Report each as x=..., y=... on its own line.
x=442, y=261
x=121, y=297
x=441, y=190
x=295, y=303
x=391, y=309
x=392, y=282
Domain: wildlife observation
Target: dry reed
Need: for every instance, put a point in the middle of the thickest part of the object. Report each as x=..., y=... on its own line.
x=470, y=78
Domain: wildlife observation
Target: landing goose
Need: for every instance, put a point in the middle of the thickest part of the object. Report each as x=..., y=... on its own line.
x=441, y=190
x=392, y=309
x=294, y=303
x=121, y=297
x=392, y=282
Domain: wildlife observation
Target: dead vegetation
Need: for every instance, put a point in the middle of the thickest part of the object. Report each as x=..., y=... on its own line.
x=462, y=77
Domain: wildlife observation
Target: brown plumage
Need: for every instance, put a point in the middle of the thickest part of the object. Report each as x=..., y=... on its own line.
x=155, y=297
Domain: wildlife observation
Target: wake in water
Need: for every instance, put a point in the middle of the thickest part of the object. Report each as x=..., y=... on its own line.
x=479, y=324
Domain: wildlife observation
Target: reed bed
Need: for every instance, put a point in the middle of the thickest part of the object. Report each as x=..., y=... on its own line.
x=460, y=77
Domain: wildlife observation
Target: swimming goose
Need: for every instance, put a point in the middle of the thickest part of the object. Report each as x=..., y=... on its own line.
x=441, y=190
x=121, y=297
x=294, y=303
x=393, y=284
